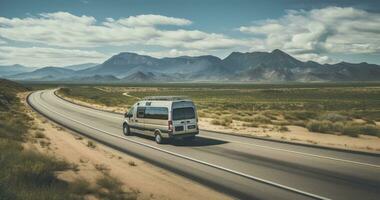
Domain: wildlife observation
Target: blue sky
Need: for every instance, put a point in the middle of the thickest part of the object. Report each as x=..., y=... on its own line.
x=62, y=32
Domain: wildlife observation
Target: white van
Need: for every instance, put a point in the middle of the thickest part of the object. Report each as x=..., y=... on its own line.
x=164, y=117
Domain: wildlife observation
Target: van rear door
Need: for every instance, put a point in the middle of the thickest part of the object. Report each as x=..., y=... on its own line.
x=184, y=119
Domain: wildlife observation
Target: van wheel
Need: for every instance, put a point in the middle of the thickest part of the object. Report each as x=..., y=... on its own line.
x=158, y=138
x=126, y=130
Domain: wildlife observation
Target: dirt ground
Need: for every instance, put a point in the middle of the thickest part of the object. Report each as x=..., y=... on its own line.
x=148, y=181
x=299, y=135
x=295, y=134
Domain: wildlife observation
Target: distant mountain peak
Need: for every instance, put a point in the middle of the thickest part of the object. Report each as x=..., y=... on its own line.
x=127, y=54
x=278, y=51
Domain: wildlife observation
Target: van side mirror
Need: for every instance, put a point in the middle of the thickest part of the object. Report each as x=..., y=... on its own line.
x=127, y=115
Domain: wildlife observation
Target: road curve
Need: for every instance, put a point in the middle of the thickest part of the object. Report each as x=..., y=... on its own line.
x=243, y=168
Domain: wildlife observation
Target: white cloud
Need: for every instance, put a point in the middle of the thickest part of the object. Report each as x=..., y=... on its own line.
x=172, y=53
x=317, y=58
x=148, y=20
x=316, y=33
x=35, y=56
x=62, y=29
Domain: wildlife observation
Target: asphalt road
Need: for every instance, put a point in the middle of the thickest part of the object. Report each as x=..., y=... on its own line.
x=243, y=168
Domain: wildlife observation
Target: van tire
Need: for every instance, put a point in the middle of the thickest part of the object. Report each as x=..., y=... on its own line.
x=126, y=130
x=158, y=138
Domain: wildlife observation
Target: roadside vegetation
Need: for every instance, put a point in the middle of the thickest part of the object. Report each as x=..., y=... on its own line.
x=338, y=108
x=28, y=174
x=98, y=95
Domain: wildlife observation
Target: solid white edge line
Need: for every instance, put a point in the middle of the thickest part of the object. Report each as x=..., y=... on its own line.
x=301, y=153
x=193, y=159
x=262, y=146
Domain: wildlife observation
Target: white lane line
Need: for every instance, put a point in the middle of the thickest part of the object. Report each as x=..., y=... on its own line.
x=193, y=159
x=251, y=144
x=105, y=114
x=297, y=152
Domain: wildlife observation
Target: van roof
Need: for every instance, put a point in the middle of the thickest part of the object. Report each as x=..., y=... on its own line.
x=165, y=98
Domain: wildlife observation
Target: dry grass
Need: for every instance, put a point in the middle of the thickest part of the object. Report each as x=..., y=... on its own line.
x=132, y=163
x=91, y=144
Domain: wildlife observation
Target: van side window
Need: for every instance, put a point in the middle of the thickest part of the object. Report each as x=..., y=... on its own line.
x=140, y=112
x=156, y=113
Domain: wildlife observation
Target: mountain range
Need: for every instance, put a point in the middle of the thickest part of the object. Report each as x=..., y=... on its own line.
x=275, y=66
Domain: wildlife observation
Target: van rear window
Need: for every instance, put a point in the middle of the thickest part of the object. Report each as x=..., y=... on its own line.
x=183, y=113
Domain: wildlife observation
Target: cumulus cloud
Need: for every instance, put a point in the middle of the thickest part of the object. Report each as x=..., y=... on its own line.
x=63, y=29
x=34, y=56
x=148, y=20
x=316, y=33
x=172, y=53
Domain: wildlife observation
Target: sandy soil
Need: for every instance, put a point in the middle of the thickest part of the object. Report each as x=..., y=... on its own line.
x=148, y=181
x=299, y=135
x=295, y=134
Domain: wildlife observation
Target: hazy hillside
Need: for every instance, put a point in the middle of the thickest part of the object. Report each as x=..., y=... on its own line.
x=275, y=66
x=46, y=73
x=81, y=66
x=8, y=70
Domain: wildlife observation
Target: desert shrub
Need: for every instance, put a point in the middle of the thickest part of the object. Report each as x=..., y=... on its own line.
x=370, y=130
x=371, y=122
x=283, y=129
x=270, y=114
x=201, y=114
x=225, y=112
x=108, y=182
x=251, y=124
x=261, y=119
x=102, y=168
x=216, y=122
x=354, y=129
x=324, y=126
x=300, y=115
x=39, y=134
x=334, y=117
x=113, y=189
x=132, y=163
x=237, y=117
x=91, y=144
x=225, y=121
x=347, y=128
x=81, y=186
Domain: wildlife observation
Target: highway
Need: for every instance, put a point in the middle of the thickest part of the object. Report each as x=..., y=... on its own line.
x=243, y=168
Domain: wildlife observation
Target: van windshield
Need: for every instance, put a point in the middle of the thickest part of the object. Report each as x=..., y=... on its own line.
x=183, y=113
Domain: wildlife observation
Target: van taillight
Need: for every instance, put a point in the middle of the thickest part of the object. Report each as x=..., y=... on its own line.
x=170, y=125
